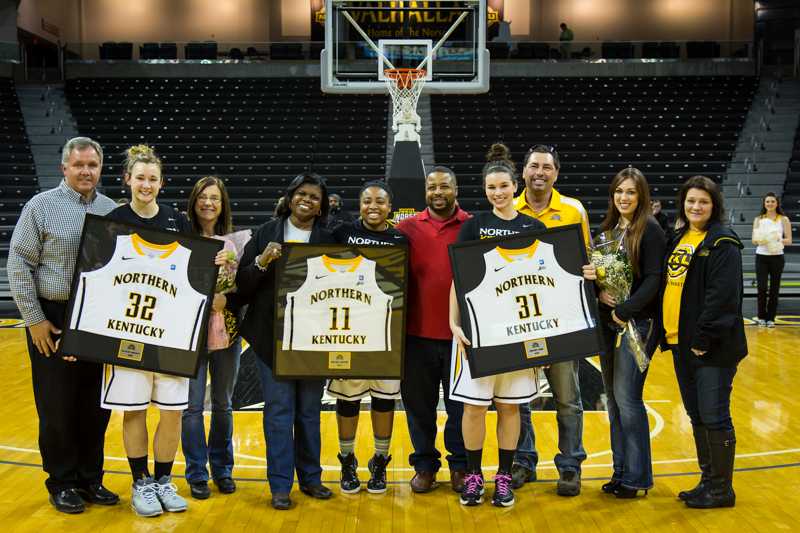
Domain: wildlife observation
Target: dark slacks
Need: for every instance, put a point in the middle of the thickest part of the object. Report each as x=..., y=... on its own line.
x=72, y=426
x=768, y=267
x=705, y=391
x=427, y=366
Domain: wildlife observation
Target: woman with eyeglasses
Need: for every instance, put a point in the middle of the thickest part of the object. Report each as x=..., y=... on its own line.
x=704, y=329
x=291, y=406
x=644, y=244
x=209, y=212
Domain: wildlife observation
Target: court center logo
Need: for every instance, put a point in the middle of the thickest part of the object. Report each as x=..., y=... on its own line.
x=679, y=261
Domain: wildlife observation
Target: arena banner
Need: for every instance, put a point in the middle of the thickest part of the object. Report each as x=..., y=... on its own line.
x=340, y=311
x=431, y=21
x=523, y=300
x=140, y=297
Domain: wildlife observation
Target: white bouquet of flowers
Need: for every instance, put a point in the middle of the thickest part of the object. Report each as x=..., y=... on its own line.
x=615, y=276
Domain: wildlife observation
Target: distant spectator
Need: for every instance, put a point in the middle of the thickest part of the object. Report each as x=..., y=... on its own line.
x=337, y=216
x=661, y=217
x=566, y=37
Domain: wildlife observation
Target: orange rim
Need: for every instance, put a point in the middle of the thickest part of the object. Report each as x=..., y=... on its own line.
x=404, y=76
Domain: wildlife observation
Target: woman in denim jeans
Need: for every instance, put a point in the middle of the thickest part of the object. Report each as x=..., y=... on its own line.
x=644, y=244
x=210, y=214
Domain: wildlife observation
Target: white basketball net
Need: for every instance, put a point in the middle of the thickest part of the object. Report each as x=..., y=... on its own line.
x=405, y=86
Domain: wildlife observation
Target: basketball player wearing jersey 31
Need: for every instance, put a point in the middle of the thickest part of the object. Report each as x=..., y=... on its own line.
x=507, y=390
x=132, y=390
x=375, y=201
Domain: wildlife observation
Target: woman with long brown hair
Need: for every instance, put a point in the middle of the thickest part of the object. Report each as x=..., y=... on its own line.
x=644, y=244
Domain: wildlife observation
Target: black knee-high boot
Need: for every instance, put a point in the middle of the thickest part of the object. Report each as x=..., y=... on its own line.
x=703, y=461
x=720, y=489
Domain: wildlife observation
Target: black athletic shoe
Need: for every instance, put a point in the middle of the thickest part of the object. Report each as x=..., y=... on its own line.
x=349, y=482
x=503, y=495
x=473, y=489
x=377, y=470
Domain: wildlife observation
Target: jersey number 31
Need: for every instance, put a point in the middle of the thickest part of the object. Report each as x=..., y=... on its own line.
x=525, y=308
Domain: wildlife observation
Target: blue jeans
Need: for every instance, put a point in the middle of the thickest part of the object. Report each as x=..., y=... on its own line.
x=627, y=416
x=427, y=365
x=218, y=452
x=291, y=429
x=564, y=384
x=705, y=390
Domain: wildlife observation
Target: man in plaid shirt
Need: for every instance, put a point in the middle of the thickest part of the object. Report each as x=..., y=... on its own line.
x=41, y=260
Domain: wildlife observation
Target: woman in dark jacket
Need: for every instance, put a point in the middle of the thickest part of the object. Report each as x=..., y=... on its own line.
x=644, y=244
x=704, y=329
x=291, y=407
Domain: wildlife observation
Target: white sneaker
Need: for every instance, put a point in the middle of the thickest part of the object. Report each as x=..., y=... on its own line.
x=770, y=324
x=168, y=496
x=761, y=323
x=144, y=498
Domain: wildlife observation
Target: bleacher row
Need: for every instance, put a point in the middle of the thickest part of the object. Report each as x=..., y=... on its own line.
x=256, y=134
x=791, y=193
x=669, y=128
x=18, y=181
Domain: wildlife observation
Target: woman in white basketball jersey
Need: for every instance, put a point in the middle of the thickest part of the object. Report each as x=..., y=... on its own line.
x=771, y=232
x=644, y=243
x=131, y=390
x=508, y=390
x=375, y=204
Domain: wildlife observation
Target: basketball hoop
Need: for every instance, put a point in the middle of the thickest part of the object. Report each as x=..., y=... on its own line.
x=405, y=86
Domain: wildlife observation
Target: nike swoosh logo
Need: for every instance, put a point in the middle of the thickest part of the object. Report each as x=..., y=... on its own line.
x=128, y=258
x=320, y=277
x=499, y=269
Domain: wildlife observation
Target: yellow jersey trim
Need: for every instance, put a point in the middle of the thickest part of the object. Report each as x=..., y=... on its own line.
x=139, y=243
x=510, y=254
x=330, y=262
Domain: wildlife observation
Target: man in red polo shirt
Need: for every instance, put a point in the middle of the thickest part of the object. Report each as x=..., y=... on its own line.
x=429, y=341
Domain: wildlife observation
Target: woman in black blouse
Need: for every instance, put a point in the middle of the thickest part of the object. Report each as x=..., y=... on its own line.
x=644, y=243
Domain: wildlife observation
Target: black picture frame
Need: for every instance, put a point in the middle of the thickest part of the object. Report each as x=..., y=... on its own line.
x=391, y=272
x=97, y=245
x=469, y=269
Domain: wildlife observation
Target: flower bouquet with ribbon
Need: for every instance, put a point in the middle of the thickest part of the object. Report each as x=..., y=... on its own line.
x=615, y=276
x=222, y=327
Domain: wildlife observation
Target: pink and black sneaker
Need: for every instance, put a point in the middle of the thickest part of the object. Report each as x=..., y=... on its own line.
x=503, y=495
x=473, y=489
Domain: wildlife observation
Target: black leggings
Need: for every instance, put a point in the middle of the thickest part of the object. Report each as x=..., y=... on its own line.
x=768, y=267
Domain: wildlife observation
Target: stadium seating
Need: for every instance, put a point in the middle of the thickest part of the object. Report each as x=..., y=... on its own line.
x=669, y=128
x=791, y=192
x=18, y=180
x=256, y=134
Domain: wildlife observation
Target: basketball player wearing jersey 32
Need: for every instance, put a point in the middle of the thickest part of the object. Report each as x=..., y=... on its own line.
x=375, y=202
x=507, y=390
x=131, y=390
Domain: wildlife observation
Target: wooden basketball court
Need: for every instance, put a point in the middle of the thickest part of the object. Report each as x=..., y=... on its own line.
x=766, y=407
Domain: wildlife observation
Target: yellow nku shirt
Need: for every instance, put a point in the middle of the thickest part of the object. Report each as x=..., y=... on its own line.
x=677, y=265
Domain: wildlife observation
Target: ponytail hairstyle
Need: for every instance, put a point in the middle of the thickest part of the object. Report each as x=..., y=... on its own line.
x=638, y=225
x=140, y=153
x=499, y=160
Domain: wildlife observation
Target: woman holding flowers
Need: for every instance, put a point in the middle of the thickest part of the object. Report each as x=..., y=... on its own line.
x=209, y=212
x=629, y=305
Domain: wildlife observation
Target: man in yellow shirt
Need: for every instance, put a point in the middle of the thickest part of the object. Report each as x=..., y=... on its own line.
x=541, y=201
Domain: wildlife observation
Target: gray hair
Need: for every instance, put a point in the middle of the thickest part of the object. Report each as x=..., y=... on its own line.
x=80, y=143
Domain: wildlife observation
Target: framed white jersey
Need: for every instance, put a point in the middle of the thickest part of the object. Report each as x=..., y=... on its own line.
x=524, y=295
x=523, y=300
x=340, y=311
x=142, y=294
x=339, y=308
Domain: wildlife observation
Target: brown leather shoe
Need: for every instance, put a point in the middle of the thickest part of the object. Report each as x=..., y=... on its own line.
x=457, y=480
x=424, y=482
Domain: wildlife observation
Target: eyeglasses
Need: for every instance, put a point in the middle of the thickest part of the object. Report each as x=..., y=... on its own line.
x=212, y=199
